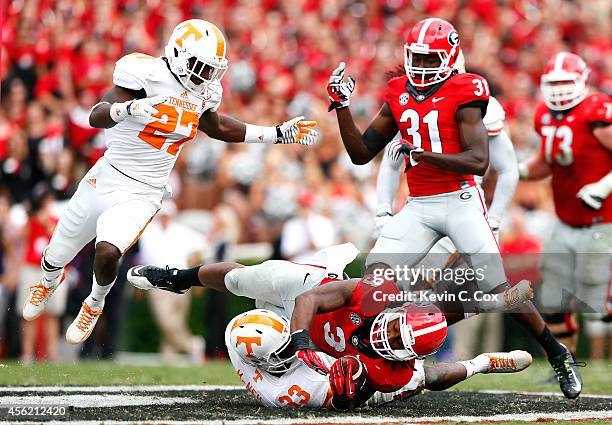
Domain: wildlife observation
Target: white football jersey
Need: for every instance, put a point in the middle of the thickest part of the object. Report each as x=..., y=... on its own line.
x=144, y=149
x=494, y=118
x=298, y=387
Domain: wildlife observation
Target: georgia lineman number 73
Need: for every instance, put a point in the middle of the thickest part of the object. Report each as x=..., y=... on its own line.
x=154, y=132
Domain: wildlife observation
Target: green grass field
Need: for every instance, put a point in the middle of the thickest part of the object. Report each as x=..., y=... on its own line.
x=597, y=376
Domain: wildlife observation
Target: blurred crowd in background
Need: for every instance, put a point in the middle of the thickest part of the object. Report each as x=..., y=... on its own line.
x=58, y=58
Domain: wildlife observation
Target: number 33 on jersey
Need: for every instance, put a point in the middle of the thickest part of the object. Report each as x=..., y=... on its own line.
x=150, y=156
x=429, y=121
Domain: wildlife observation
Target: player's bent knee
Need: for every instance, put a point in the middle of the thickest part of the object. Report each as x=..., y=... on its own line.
x=107, y=256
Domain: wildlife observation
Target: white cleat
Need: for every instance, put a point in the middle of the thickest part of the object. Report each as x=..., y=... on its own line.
x=511, y=362
x=83, y=325
x=37, y=300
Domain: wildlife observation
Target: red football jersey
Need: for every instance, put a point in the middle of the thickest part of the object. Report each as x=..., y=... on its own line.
x=576, y=156
x=431, y=123
x=347, y=332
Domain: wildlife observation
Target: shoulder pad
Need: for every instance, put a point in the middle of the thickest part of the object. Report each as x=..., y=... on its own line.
x=133, y=70
x=494, y=118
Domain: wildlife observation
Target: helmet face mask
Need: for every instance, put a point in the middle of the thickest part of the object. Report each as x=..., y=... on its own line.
x=564, y=82
x=436, y=39
x=379, y=337
x=422, y=330
x=560, y=95
x=196, y=55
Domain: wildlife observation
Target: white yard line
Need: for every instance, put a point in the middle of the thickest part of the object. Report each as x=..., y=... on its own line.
x=121, y=388
x=91, y=400
x=543, y=393
x=527, y=417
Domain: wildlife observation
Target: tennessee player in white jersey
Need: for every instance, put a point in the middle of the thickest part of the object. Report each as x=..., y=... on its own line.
x=155, y=106
x=255, y=342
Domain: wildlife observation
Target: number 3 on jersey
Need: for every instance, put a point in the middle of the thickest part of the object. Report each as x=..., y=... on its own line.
x=182, y=122
x=431, y=119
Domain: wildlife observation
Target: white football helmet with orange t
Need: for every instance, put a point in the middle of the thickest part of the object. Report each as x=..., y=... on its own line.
x=196, y=54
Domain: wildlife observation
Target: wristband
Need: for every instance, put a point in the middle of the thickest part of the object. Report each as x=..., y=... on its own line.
x=300, y=340
x=259, y=134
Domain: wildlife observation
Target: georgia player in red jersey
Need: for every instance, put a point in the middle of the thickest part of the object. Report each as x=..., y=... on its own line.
x=439, y=115
x=576, y=149
x=366, y=319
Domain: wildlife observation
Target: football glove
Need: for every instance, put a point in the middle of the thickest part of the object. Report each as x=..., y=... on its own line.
x=593, y=195
x=138, y=108
x=338, y=90
x=300, y=341
x=346, y=376
x=297, y=130
x=403, y=147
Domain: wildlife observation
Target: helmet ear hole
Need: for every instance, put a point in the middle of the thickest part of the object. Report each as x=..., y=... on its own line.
x=175, y=52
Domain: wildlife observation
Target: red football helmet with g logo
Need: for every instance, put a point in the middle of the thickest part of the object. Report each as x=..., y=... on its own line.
x=564, y=81
x=431, y=36
x=423, y=330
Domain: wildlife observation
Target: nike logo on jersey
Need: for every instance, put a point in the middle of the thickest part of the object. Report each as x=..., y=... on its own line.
x=437, y=99
x=306, y=277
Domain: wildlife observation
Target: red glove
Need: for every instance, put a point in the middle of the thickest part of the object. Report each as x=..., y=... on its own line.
x=347, y=376
x=311, y=359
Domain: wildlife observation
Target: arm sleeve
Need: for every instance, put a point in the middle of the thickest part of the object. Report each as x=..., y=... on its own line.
x=503, y=161
x=388, y=179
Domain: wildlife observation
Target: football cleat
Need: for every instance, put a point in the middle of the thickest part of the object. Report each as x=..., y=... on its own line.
x=151, y=277
x=566, y=371
x=80, y=329
x=511, y=362
x=39, y=295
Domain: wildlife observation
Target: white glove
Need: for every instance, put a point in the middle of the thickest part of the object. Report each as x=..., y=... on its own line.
x=297, y=130
x=401, y=147
x=594, y=194
x=338, y=90
x=383, y=216
x=141, y=108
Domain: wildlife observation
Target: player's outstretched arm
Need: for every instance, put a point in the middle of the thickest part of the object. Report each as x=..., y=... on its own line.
x=360, y=147
x=231, y=130
x=121, y=103
x=474, y=159
x=594, y=194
